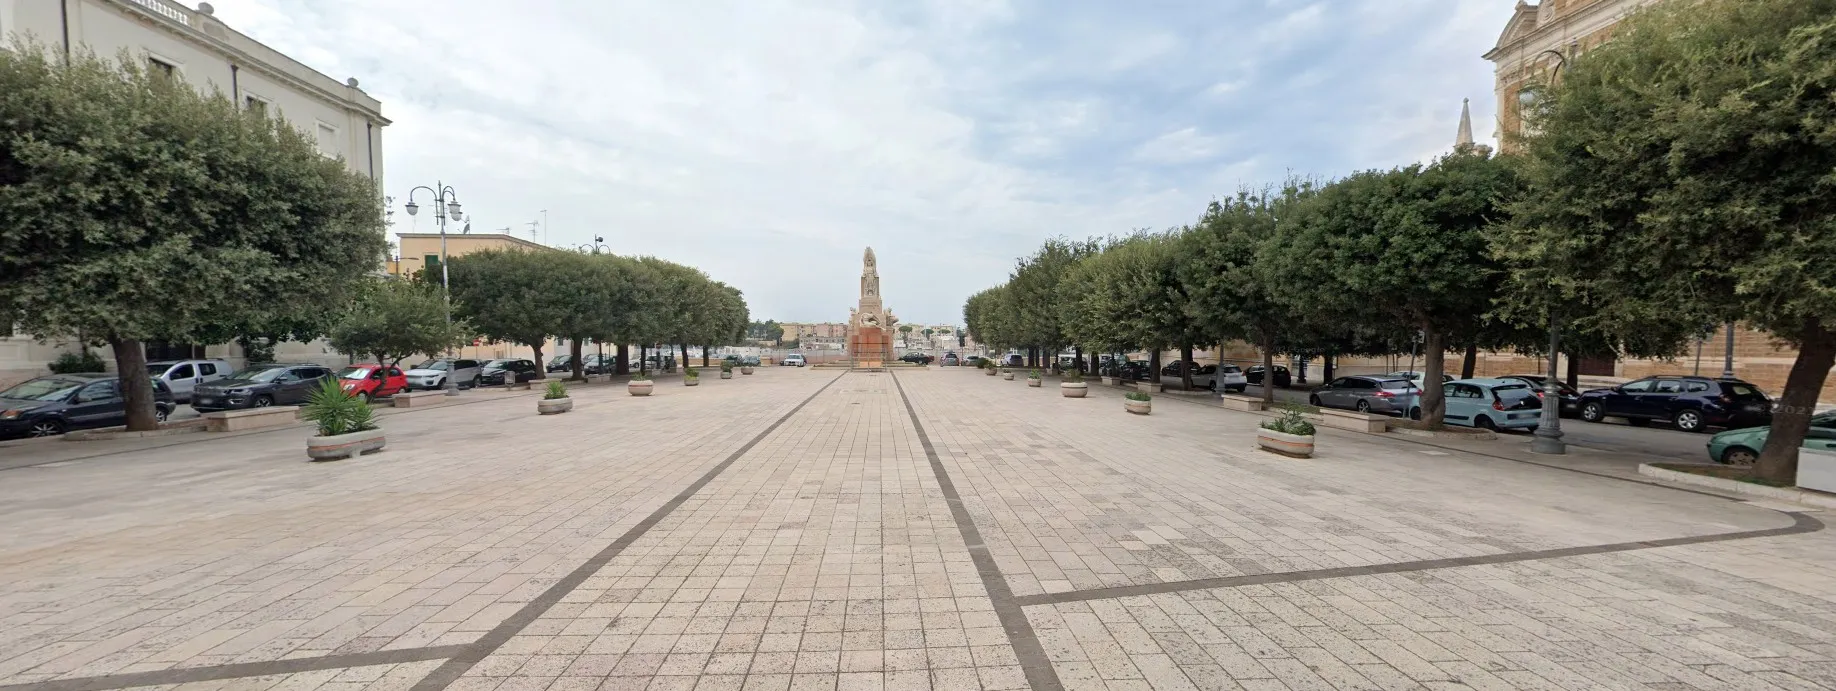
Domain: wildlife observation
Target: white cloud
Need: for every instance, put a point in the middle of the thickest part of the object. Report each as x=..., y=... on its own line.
x=1179, y=146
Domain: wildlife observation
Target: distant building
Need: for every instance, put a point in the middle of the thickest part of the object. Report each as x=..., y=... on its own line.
x=1537, y=38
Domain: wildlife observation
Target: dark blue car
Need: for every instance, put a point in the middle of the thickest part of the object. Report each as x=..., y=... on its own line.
x=1693, y=404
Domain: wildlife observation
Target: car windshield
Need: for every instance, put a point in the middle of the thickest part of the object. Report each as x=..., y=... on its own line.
x=158, y=368
x=432, y=364
x=48, y=389
x=259, y=373
x=1512, y=388
x=354, y=373
x=1231, y=369
x=497, y=364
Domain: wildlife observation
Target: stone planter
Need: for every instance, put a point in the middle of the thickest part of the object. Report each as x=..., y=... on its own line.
x=1147, y=387
x=1138, y=407
x=1109, y=381
x=321, y=448
x=1817, y=470
x=1290, y=445
x=1073, y=389
x=745, y=370
x=554, y=406
x=990, y=372
x=640, y=387
x=691, y=381
x=726, y=375
x=1034, y=382
x=1009, y=376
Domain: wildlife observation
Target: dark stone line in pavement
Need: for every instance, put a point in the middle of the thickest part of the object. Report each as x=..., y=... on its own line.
x=1039, y=672
x=183, y=675
x=1801, y=523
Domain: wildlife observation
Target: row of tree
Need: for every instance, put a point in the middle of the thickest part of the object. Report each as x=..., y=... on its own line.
x=1674, y=177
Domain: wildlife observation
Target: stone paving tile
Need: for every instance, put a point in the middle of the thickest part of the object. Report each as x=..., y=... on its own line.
x=238, y=550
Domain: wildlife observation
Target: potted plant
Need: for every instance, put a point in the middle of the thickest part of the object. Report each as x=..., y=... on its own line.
x=1034, y=379
x=555, y=401
x=726, y=369
x=1287, y=433
x=1073, y=386
x=1007, y=374
x=640, y=384
x=690, y=377
x=745, y=368
x=345, y=424
x=1138, y=403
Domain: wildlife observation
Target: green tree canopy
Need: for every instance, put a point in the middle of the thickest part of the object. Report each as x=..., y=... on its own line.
x=393, y=319
x=510, y=295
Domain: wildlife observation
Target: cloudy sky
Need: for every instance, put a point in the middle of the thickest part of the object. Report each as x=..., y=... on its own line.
x=768, y=141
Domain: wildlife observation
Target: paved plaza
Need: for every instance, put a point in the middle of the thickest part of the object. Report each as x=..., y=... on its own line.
x=924, y=529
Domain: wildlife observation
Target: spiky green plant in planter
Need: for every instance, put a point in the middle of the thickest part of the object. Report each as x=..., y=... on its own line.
x=1074, y=376
x=1035, y=374
x=555, y=390
x=336, y=412
x=1137, y=396
x=1289, y=421
x=640, y=375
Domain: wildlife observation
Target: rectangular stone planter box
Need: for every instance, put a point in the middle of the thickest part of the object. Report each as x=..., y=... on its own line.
x=1817, y=470
x=1243, y=403
x=1147, y=387
x=1797, y=494
x=253, y=418
x=166, y=429
x=517, y=386
x=1351, y=420
x=422, y=399
x=1290, y=445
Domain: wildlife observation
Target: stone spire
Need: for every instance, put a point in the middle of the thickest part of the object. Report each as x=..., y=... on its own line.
x=1464, y=138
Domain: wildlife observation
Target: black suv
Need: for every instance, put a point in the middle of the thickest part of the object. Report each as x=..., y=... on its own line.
x=260, y=386
x=917, y=358
x=496, y=371
x=1691, y=403
x=59, y=403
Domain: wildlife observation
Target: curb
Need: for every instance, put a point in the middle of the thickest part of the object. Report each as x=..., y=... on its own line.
x=1476, y=435
x=1791, y=494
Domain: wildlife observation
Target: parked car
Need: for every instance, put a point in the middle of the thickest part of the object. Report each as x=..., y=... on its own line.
x=1492, y=404
x=432, y=374
x=973, y=361
x=1571, y=399
x=560, y=363
x=372, y=381
x=1282, y=377
x=950, y=360
x=793, y=360
x=1742, y=446
x=917, y=358
x=1013, y=360
x=183, y=375
x=595, y=363
x=1134, y=370
x=1691, y=403
x=1368, y=394
x=502, y=371
x=1230, y=378
x=1417, y=377
x=737, y=360
x=56, y=404
x=1203, y=376
x=261, y=386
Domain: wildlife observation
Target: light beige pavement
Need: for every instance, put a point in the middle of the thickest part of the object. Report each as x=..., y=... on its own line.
x=925, y=529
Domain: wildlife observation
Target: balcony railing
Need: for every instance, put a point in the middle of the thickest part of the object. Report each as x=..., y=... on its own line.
x=166, y=10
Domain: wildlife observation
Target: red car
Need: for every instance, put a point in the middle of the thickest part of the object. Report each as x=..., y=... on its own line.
x=372, y=381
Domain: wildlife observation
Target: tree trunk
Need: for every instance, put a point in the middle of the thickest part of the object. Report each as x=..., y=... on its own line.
x=1472, y=360
x=684, y=356
x=136, y=386
x=1154, y=365
x=1078, y=352
x=1185, y=366
x=624, y=359
x=704, y=356
x=1778, y=461
x=1268, y=368
x=573, y=349
x=1327, y=366
x=643, y=358
x=541, y=368
x=1434, y=360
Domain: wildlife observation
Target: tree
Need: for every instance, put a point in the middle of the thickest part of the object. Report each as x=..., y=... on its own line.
x=905, y=334
x=136, y=208
x=1682, y=170
x=1235, y=296
x=508, y=295
x=393, y=319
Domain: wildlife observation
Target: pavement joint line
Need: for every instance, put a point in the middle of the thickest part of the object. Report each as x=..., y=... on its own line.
x=473, y=653
x=241, y=670
x=1801, y=523
x=1040, y=675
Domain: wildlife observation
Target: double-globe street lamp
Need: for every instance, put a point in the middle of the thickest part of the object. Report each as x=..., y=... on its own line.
x=446, y=205
x=597, y=246
x=1548, y=435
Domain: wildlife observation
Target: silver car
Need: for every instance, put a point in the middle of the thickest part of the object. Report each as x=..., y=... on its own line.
x=432, y=374
x=1369, y=394
x=184, y=375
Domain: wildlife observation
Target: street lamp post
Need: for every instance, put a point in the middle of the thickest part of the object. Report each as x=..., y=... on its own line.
x=1548, y=436
x=446, y=205
x=595, y=247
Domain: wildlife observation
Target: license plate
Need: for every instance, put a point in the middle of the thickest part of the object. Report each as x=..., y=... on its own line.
x=1753, y=407
x=1522, y=416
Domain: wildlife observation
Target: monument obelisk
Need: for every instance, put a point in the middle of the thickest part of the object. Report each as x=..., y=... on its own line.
x=869, y=323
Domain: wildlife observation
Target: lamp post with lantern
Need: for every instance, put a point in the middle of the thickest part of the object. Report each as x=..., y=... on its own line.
x=446, y=205
x=1548, y=436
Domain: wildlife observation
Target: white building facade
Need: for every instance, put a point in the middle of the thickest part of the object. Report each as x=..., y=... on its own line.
x=194, y=45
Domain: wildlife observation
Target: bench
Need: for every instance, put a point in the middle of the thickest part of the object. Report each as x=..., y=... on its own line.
x=410, y=399
x=1246, y=404
x=1351, y=420
x=251, y=418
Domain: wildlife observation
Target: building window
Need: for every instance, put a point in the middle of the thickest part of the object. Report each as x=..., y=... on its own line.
x=256, y=105
x=161, y=68
x=328, y=140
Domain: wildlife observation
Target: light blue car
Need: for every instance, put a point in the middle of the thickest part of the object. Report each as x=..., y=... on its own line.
x=1493, y=404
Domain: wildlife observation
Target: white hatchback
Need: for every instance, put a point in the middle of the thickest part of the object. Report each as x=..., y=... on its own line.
x=793, y=360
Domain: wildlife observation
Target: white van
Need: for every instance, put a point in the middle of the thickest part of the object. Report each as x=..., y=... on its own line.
x=184, y=375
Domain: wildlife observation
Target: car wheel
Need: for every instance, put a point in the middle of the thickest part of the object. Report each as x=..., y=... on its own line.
x=46, y=428
x=161, y=413
x=1593, y=412
x=1689, y=421
x=364, y=396
x=1485, y=423
x=263, y=401
x=1739, y=455
x=1313, y=401
x=1364, y=406
x=439, y=384
x=1415, y=414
